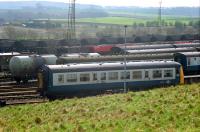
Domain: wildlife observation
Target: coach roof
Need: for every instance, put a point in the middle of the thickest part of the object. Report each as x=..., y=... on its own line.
x=188, y=54
x=111, y=66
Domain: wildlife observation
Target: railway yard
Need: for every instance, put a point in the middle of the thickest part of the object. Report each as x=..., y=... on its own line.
x=75, y=66
x=20, y=83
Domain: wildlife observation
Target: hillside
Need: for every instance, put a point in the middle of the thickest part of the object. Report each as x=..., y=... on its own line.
x=153, y=11
x=170, y=109
x=26, y=10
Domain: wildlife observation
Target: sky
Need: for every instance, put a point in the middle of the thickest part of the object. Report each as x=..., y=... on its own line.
x=142, y=3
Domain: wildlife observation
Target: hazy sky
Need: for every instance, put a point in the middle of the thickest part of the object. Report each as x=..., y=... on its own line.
x=144, y=3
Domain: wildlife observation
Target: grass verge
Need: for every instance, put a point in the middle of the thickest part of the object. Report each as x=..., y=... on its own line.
x=170, y=109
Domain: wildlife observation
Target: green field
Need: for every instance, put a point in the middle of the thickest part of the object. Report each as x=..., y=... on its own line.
x=140, y=18
x=130, y=21
x=170, y=109
x=112, y=20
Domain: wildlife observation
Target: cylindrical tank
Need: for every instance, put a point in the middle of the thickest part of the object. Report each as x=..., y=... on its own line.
x=21, y=66
x=25, y=67
x=38, y=61
x=49, y=59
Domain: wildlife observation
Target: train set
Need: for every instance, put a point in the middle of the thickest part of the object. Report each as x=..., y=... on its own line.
x=85, y=73
x=62, y=80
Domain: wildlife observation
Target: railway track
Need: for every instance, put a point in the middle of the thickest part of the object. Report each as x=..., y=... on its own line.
x=192, y=79
x=5, y=78
x=12, y=93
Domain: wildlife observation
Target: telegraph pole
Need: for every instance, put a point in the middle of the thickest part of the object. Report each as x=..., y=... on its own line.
x=160, y=14
x=125, y=66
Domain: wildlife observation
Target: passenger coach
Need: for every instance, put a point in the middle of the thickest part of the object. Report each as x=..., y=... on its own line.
x=63, y=80
x=190, y=62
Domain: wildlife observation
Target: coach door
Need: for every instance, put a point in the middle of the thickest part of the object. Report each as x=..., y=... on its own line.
x=95, y=77
x=146, y=74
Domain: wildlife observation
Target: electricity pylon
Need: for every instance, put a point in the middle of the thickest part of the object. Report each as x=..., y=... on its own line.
x=71, y=27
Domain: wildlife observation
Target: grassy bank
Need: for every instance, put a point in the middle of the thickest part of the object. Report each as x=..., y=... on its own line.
x=170, y=109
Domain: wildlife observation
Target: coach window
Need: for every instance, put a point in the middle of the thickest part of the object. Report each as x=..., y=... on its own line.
x=61, y=78
x=94, y=75
x=188, y=61
x=85, y=77
x=125, y=75
x=71, y=77
x=113, y=75
x=137, y=74
x=103, y=76
x=157, y=74
x=168, y=73
x=146, y=74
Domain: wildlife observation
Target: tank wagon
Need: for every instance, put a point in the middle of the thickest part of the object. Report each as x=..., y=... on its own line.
x=79, y=55
x=161, y=51
x=118, y=49
x=25, y=67
x=190, y=62
x=137, y=55
x=4, y=60
x=159, y=46
x=63, y=80
x=101, y=49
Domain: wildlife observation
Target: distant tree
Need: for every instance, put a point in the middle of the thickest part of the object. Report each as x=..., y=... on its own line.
x=153, y=39
x=102, y=41
x=179, y=25
x=120, y=40
x=138, y=40
x=18, y=46
x=171, y=24
x=183, y=37
x=64, y=42
x=197, y=36
x=84, y=42
x=134, y=25
x=99, y=34
x=196, y=24
x=141, y=24
x=152, y=23
x=2, y=21
x=166, y=24
x=41, y=44
x=169, y=38
x=190, y=23
x=39, y=6
x=31, y=34
x=10, y=32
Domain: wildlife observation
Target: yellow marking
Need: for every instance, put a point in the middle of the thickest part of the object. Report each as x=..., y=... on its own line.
x=40, y=80
x=181, y=75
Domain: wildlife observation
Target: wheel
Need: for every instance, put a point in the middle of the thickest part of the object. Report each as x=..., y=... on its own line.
x=25, y=80
x=18, y=80
x=2, y=103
